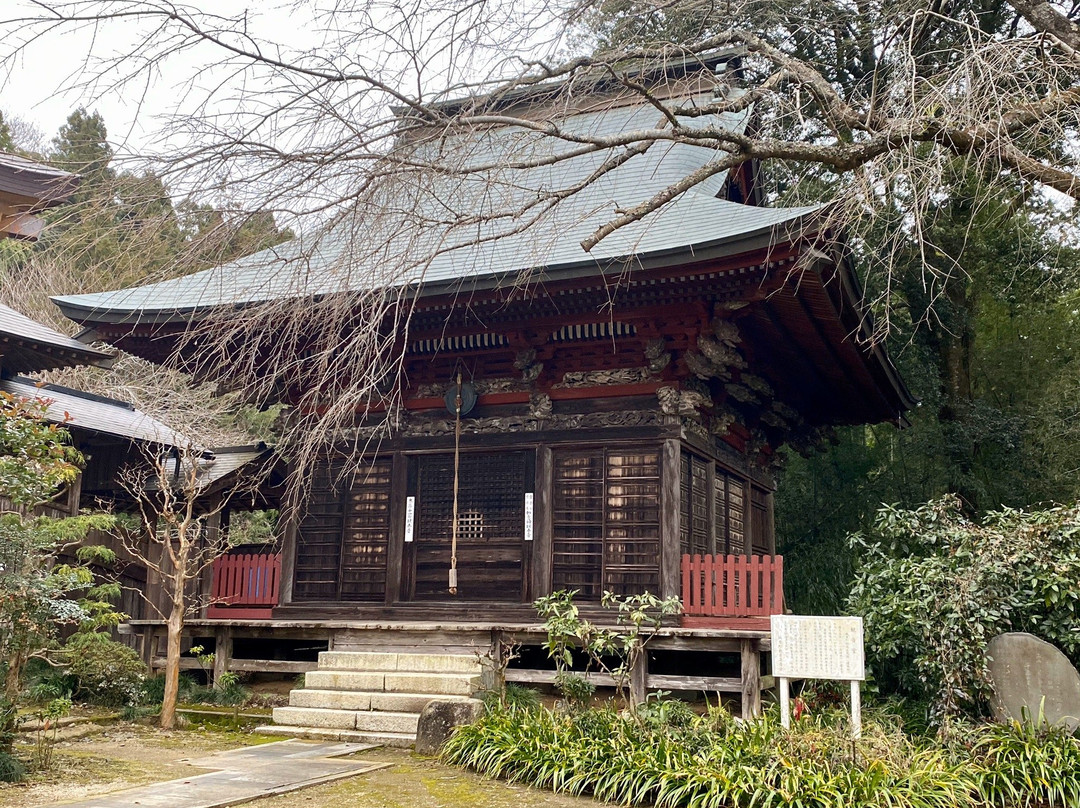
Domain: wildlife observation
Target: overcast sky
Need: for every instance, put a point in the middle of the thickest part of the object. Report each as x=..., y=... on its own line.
x=54, y=74
x=49, y=77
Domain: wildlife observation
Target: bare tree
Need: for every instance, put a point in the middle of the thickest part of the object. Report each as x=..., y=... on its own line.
x=396, y=135
x=180, y=537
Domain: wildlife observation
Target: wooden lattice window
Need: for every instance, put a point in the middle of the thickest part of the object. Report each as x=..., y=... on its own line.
x=606, y=522
x=491, y=525
x=736, y=515
x=761, y=527
x=366, y=538
x=344, y=533
x=694, y=505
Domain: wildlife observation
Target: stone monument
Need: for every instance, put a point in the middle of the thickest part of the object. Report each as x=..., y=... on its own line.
x=1031, y=677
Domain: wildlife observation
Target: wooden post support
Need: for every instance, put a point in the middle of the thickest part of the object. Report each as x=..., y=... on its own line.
x=751, y=679
x=495, y=679
x=222, y=652
x=639, y=678
x=856, y=710
x=146, y=645
x=785, y=703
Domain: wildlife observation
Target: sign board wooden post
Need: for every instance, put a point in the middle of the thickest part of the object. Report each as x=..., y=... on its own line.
x=818, y=648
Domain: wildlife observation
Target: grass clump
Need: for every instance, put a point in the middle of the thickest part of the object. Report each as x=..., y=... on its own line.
x=713, y=761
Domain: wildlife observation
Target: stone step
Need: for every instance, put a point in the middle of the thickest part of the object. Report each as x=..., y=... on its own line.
x=408, y=702
x=372, y=662
x=397, y=739
x=360, y=720
x=356, y=700
x=446, y=684
x=330, y=699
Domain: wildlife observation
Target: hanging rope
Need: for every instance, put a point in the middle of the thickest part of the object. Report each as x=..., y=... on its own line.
x=457, y=457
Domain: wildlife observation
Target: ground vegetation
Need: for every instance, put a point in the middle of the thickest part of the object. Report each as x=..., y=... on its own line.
x=679, y=758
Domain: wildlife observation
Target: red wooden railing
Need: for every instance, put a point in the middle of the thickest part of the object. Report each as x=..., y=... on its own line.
x=731, y=590
x=245, y=586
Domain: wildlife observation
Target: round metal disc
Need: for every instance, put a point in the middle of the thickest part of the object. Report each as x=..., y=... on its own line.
x=468, y=398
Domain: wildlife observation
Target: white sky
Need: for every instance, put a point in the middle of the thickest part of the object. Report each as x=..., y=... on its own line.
x=51, y=76
x=46, y=80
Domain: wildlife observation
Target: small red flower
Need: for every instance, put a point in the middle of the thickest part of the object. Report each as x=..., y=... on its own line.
x=800, y=707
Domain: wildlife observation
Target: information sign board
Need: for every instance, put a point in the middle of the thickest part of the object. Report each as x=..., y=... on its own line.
x=818, y=647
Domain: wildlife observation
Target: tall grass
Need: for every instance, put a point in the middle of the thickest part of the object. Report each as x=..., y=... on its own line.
x=713, y=761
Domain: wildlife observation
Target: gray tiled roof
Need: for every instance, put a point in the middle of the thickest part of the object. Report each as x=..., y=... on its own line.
x=437, y=230
x=73, y=408
x=26, y=345
x=35, y=180
x=219, y=463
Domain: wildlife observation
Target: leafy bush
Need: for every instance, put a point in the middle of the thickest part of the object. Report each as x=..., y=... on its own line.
x=639, y=617
x=1021, y=764
x=512, y=697
x=228, y=691
x=576, y=690
x=106, y=672
x=713, y=761
x=53, y=684
x=935, y=588
x=11, y=770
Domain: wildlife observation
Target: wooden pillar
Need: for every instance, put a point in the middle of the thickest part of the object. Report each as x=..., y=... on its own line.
x=750, y=652
x=639, y=678
x=203, y=585
x=146, y=645
x=670, y=553
x=223, y=646
x=395, y=548
x=291, y=517
x=542, y=523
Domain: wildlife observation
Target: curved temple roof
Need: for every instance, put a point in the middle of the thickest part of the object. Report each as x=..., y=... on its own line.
x=436, y=231
x=498, y=205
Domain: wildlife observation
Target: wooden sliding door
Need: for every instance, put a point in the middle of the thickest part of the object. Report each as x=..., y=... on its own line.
x=492, y=546
x=606, y=521
x=343, y=534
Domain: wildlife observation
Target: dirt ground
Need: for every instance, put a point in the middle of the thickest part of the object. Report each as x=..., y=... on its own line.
x=119, y=756
x=416, y=782
x=91, y=760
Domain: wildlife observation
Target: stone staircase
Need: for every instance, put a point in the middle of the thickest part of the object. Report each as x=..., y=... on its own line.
x=369, y=697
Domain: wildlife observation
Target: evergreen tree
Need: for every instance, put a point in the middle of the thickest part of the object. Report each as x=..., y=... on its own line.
x=7, y=142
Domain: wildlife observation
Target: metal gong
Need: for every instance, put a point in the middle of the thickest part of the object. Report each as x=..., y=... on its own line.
x=468, y=398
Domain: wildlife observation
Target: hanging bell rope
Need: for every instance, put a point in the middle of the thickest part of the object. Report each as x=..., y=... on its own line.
x=457, y=458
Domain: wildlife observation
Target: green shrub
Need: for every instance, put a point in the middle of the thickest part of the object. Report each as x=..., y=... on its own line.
x=934, y=588
x=659, y=712
x=106, y=672
x=713, y=761
x=512, y=697
x=152, y=690
x=228, y=691
x=53, y=684
x=11, y=770
x=576, y=690
x=1025, y=765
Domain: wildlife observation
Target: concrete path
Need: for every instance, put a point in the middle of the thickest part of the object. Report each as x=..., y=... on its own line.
x=243, y=775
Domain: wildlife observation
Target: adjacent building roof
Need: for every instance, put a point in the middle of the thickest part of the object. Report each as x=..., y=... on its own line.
x=37, y=183
x=217, y=465
x=443, y=231
x=27, y=346
x=27, y=188
x=86, y=411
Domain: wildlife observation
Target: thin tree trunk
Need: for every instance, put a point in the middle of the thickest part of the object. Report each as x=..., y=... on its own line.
x=13, y=678
x=175, y=626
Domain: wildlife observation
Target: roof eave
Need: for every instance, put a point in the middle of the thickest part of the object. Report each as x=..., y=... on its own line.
x=90, y=315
